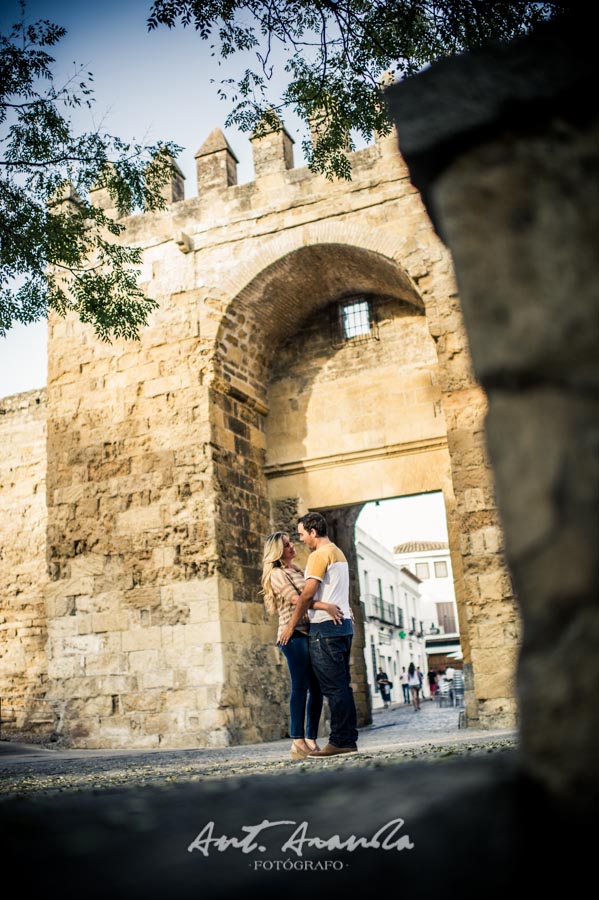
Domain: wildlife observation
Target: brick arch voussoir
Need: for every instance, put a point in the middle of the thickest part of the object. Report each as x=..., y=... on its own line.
x=394, y=247
x=244, y=283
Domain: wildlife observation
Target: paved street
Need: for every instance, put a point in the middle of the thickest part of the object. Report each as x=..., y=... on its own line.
x=396, y=735
x=125, y=823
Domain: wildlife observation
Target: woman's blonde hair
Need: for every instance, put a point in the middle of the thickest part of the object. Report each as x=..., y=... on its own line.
x=271, y=559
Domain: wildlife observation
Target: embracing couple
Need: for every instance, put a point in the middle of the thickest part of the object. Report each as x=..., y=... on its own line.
x=315, y=635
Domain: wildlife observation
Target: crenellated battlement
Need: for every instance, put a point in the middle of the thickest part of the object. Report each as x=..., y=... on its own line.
x=274, y=167
x=279, y=191
x=216, y=164
x=272, y=150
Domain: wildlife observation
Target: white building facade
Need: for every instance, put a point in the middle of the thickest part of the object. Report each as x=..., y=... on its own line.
x=431, y=562
x=393, y=617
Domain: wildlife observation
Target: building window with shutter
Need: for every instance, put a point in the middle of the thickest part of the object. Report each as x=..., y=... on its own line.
x=446, y=617
x=422, y=570
x=440, y=569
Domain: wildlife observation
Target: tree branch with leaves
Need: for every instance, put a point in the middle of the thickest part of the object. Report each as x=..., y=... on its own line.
x=336, y=54
x=58, y=250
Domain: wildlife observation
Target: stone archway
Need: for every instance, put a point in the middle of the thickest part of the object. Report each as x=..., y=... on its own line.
x=276, y=455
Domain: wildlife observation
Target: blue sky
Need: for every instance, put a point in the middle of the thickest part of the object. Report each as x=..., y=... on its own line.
x=147, y=86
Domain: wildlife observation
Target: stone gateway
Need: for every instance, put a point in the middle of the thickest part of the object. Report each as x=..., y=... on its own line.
x=308, y=353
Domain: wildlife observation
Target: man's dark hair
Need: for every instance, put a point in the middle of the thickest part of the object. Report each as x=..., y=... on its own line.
x=314, y=520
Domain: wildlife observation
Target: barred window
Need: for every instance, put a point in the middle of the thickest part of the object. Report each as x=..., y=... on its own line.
x=356, y=319
x=353, y=320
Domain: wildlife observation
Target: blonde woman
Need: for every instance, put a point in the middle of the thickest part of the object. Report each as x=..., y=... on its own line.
x=282, y=583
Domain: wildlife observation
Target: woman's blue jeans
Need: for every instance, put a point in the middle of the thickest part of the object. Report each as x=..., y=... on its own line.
x=305, y=703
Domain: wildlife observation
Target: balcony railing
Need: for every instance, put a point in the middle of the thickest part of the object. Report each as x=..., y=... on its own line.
x=375, y=608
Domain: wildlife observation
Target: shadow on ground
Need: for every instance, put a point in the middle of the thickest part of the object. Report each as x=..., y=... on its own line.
x=468, y=827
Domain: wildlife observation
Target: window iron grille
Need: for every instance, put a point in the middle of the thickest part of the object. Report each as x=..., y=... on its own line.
x=353, y=321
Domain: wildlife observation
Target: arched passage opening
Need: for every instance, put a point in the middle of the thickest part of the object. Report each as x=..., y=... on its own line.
x=407, y=595
x=306, y=415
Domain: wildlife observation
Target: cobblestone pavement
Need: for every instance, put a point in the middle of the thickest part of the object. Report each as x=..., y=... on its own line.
x=396, y=735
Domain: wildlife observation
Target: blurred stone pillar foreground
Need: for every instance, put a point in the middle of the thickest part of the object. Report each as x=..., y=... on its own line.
x=502, y=145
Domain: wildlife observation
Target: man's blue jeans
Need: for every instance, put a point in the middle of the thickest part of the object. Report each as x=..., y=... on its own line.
x=330, y=647
x=305, y=703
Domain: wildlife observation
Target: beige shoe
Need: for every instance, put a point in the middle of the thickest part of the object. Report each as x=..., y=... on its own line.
x=331, y=750
x=297, y=752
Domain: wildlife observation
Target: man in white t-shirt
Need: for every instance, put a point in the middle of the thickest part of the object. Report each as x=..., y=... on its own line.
x=327, y=579
x=404, y=685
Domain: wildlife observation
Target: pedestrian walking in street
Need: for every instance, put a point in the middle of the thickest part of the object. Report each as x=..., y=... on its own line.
x=384, y=686
x=432, y=682
x=449, y=672
x=404, y=685
x=415, y=684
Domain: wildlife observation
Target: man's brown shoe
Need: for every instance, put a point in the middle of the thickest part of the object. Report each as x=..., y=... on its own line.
x=331, y=750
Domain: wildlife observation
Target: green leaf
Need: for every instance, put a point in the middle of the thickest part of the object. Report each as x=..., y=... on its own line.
x=57, y=250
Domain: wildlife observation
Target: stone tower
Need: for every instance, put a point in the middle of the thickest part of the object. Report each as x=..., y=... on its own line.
x=247, y=401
